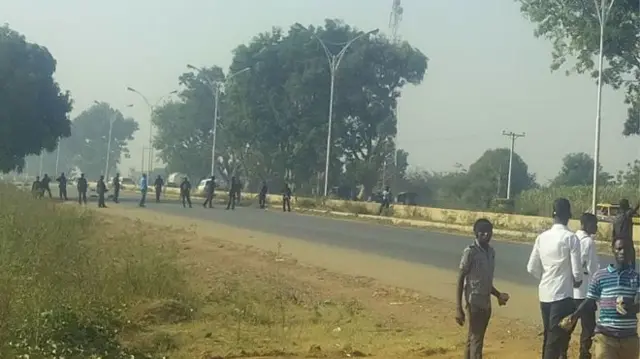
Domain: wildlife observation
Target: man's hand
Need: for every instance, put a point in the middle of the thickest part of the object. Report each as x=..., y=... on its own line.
x=567, y=323
x=577, y=284
x=503, y=298
x=621, y=306
x=460, y=316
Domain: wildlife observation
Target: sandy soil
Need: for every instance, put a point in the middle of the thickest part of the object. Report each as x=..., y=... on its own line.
x=417, y=299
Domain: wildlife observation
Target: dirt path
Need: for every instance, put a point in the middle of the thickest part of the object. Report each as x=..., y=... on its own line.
x=418, y=299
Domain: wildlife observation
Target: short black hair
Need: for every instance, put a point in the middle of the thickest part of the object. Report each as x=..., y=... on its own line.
x=624, y=204
x=562, y=208
x=588, y=218
x=482, y=222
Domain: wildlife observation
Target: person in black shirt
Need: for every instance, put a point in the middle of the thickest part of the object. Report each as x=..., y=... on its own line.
x=185, y=192
x=386, y=200
x=158, y=184
x=623, y=226
x=115, y=183
x=101, y=189
x=262, y=198
x=45, y=185
x=82, y=186
x=36, y=188
x=286, y=198
x=62, y=186
x=209, y=190
x=233, y=192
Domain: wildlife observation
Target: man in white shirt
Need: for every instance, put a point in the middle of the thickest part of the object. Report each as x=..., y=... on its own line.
x=590, y=265
x=555, y=260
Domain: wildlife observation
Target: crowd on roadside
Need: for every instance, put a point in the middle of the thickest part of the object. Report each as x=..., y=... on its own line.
x=572, y=287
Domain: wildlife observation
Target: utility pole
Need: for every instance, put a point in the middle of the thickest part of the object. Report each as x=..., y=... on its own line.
x=513, y=136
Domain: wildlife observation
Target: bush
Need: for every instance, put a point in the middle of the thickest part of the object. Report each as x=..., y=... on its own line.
x=66, y=284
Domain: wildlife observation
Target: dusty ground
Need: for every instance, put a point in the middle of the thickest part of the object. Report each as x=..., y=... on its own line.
x=359, y=306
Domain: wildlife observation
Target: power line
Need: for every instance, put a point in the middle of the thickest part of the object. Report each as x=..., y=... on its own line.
x=513, y=136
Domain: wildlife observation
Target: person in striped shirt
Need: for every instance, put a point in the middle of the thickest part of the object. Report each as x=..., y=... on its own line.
x=616, y=289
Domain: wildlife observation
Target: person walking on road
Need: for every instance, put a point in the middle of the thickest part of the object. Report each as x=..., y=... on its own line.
x=115, y=183
x=101, y=189
x=36, y=188
x=589, y=259
x=233, y=192
x=158, y=184
x=556, y=261
x=209, y=191
x=185, y=192
x=623, y=226
x=62, y=187
x=144, y=186
x=475, y=280
x=286, y=198
x=262, y=197
x=616, y=289
x=82, y=187
x=386, y=200
x=45, y=184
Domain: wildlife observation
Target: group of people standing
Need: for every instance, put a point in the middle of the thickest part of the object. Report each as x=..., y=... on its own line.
x=572, y=287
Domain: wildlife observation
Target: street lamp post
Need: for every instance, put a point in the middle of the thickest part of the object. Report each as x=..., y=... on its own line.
x=603, y=9
x=334, y=63
x=152, y=109
x=111, y=121
x=215, y=89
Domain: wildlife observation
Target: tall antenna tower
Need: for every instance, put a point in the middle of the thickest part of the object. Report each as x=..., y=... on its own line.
x=394, y=20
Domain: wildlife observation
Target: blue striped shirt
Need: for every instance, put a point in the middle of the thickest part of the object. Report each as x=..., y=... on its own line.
x=606, y=286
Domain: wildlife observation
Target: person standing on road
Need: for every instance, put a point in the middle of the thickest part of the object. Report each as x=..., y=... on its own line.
x=556, y=261
x=62, y=187
x=36, y=188
x=475, y=280
x=185, y=192
x=158, y=184
x=101, y=189
x=144, y=186
x=82, y=187
x=209, y=191
x=233, y=192
x=617, y=289
x=589, y=258
x=623, y=226
x=115, y=183
x=286, y=198
x=386, y=200
x=262, y=197
x=44, y=184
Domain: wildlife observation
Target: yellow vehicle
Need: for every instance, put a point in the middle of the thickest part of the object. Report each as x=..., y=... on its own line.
x=606, y=212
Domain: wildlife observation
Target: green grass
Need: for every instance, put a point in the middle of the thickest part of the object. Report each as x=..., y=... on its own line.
x=68, y=285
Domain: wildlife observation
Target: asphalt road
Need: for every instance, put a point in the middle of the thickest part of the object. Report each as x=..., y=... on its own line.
x=408, y=244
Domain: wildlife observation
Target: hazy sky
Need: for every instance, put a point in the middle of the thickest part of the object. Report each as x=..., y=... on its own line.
x=486, y=72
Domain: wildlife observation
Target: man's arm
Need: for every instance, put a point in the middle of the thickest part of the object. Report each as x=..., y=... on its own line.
x=576, y=260
x=465, y=266
x=534, y=266
x=592, y=257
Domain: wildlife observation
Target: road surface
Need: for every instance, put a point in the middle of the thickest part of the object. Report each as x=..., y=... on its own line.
x=408, y=244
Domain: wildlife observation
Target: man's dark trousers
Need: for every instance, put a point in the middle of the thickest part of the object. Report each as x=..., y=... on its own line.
x=101, y=203
x=208, y=200
x=478, y=322
x=63, y=192
x=232, y=200
x=555, y=342
x=116, y=194
x=588, y=324
x=158, y=192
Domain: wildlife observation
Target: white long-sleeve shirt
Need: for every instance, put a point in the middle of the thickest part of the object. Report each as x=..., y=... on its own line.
x=555, y=260
x=590, y=265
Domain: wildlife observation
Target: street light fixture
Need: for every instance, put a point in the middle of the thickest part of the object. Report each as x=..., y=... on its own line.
x=152, y=109
x=334, y=63
x=111, y=121
x=215, y=86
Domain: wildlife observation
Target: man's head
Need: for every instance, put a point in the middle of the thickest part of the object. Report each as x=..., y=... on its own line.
x=158, y=176
x=117, y=174
x=101, y=178
x=589, y=223
x=624, y=204
x=483, y=230
x=213, y=178
x=621, y=251
x=562, y=210
x=37, y=178
x=82, y=175
x=62, y=174
x=144, y=175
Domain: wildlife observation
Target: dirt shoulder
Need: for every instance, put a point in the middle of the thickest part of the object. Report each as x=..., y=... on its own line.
x=381, y=307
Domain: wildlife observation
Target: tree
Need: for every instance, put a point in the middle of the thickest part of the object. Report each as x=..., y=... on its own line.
x=577, y=170
x=487, y=178
x=89, y=141
x=574, y=29
x=34, y=111
x=631, y=176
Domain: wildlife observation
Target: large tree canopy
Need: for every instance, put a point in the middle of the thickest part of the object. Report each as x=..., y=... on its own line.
x=573, y=27
x=87, y=147
x=577, y=170
x=33, y=109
